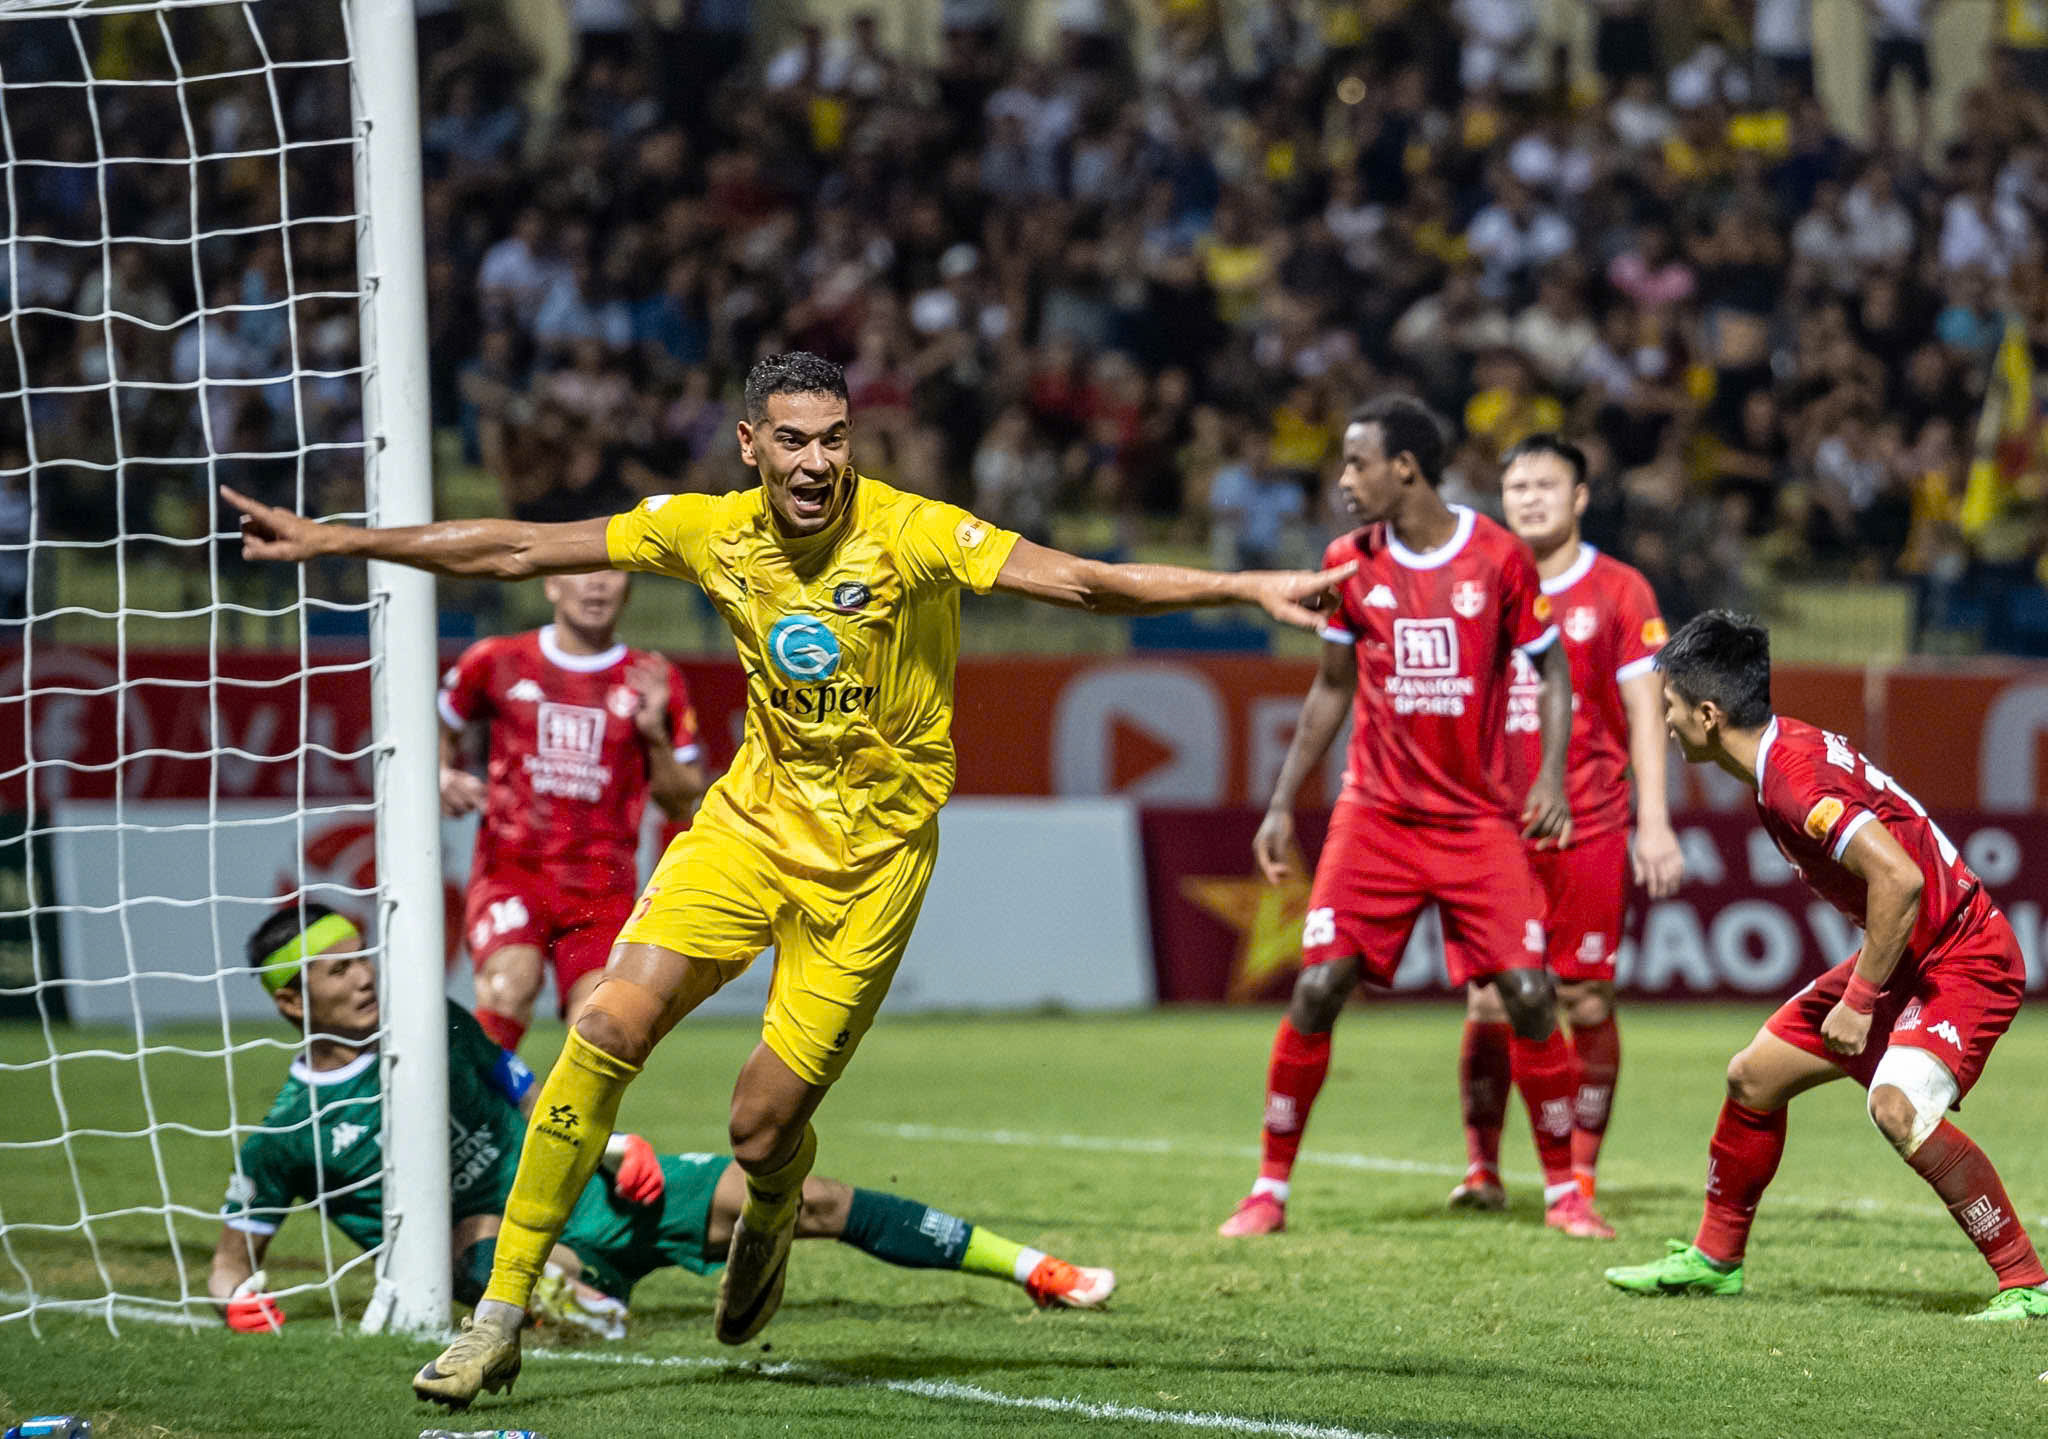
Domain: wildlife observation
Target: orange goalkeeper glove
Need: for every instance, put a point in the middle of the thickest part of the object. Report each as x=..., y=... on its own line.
x=250, y=1310
x=637, y=1177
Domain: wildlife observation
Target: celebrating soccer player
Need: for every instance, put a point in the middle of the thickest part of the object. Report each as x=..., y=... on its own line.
x=1611, y=630
x=322, y=1140
x=1912, y=1016
x=844, y=596
x=1439, y=599
x=582, y=732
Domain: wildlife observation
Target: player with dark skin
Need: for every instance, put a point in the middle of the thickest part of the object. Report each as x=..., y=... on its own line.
x=1377, y=487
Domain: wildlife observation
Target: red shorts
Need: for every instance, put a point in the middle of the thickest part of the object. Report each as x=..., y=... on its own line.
x=1376, y=874
x=573, y=932
x=1587, y=890
x=1965, y=995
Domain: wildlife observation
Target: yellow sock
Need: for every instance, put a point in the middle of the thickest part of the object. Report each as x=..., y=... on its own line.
x=772, y=1197
x=565, y=1139
x=989, y=1253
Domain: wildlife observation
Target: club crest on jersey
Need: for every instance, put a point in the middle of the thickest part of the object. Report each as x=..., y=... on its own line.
x=1468, y=598
x=804, y=648
x=622, y=701
x=849, y=597
x=1579, y=623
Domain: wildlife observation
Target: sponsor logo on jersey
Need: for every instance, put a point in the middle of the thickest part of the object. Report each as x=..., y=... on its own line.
x=526, y=692
x=1426, y=678
x=623, y=701
x=568, y=757
x=1821, y=818
x=1580, y=621
x=804, y=648
x=850, y=597
x=1468, y=598
x=818, y=701
x=1942, y=1029
x=1654, y=632
x=1382, y=598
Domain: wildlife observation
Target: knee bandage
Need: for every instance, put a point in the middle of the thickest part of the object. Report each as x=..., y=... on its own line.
x=1925, y=1081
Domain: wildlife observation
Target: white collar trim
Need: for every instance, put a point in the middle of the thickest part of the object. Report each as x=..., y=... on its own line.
x=1763, y=751
x=1442, y=555
x=581, y=664
x=304, y=1073
x=1580, y=568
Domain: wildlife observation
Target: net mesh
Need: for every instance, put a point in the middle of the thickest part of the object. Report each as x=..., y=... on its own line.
x=184, y=739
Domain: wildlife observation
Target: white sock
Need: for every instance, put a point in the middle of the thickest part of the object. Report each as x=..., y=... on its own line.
x=1027, y=1260
x=1276, y=1187
x=1554, y=1192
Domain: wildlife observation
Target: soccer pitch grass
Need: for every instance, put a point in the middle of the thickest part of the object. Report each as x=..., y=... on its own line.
x=1124, y=1141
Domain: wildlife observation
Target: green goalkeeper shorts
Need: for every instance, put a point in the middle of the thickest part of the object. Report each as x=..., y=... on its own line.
x=620, y=1243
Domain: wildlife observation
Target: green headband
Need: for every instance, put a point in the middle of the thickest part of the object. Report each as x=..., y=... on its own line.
x=282, y=965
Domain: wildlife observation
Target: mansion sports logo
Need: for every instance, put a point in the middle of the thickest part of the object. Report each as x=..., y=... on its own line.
x=1426, y=678
x=570, y=732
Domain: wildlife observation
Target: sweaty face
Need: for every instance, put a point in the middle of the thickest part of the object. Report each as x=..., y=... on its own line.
x=1541, y=501
x=801, y=446
x=589, y=602
x=343, y=994
x=1687, y=724
x=1369, y=485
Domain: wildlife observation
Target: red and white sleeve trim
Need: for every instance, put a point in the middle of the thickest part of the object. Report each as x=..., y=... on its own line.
x=1541, y=643
x=1850, y=825
x=1635, y=667
x=450, y=716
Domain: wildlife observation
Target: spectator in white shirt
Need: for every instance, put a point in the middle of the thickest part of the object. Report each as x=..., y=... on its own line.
x=1514, y=237
x=1880, y=227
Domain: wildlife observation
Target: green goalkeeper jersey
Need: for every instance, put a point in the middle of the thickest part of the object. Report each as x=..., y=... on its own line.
x=323, y=1139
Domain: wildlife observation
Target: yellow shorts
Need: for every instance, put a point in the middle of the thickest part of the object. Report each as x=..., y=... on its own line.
x=716, y=896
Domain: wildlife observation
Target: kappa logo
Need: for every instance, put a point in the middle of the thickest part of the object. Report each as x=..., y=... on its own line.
x=1468, y=598
x=1580, y=621
x=1942, y=1029
x=345, y=1136
x=525, y=692
x=1382, y=598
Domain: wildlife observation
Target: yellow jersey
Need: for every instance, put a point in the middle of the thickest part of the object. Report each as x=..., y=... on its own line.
x=849, y=639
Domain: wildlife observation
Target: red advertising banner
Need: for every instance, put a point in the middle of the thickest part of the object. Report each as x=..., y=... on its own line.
x=1743, y=927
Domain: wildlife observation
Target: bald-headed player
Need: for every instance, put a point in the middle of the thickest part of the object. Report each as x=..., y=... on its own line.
x=844, y=597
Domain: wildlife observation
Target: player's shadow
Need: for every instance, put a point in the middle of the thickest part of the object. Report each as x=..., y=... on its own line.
x=1916, y=1301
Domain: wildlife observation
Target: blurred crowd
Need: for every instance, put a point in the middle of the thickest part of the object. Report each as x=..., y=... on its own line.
x=1124, y=289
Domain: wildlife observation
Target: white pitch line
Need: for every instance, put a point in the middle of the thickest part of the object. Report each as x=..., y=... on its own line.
x=943, y=1389
x=975, y=1394
x=1374, y=1163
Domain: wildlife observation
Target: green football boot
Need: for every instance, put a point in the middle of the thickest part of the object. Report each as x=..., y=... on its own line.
x=1682, y=1270
x=2010, y=1306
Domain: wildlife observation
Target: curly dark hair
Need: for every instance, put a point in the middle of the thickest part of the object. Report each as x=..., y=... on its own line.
x=793, y=372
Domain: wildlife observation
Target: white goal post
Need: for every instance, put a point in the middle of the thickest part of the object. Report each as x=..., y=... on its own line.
x=135, y=376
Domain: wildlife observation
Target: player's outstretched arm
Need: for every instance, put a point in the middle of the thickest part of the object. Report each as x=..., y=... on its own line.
x=236, y=1281
x=487, y=549
x=1322, y=715
x=1068, y=580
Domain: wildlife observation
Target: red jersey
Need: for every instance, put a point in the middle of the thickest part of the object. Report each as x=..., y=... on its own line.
x=1814, y=791
x=1612, y=632
x=568, y=777
x=1433, y=633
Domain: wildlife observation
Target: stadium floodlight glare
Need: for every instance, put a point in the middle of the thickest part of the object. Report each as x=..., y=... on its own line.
x=212, y=267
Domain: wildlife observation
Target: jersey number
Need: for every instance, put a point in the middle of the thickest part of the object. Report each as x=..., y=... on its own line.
x=1883, y=783
x=501, y=916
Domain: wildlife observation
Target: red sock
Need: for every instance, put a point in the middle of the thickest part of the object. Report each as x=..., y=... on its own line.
x=1596, y=1060
x=1292, y=1079
x=504, y=1030
x=1543, y=1073
x=1483, y=1090
x=1951, y=1162
x=1748, y=1143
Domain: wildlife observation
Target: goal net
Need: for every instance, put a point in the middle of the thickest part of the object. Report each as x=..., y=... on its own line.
x=194, y=291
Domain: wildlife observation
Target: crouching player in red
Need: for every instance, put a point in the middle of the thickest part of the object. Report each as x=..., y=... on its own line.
x=1419, y=646
x=1912, y=1017
x=1611, y=630
x=583, y=731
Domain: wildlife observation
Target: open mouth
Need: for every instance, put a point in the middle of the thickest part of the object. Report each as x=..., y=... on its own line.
x=810, y=499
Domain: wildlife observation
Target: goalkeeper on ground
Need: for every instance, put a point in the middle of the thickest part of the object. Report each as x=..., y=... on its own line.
x=321, y=1141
